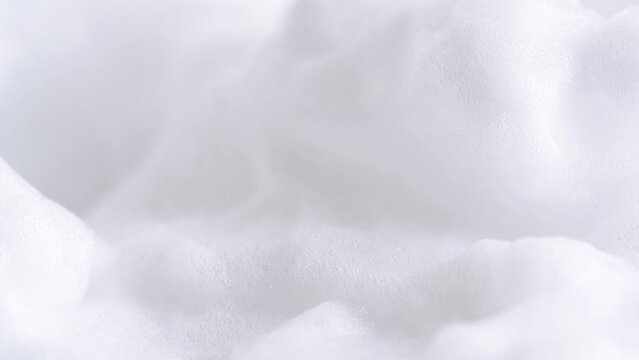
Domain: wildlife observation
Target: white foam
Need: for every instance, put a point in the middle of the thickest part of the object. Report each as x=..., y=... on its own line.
x=316, y=179
x=45, y=264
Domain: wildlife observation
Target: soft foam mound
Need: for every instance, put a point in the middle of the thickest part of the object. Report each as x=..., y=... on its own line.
x=45, y=263
x=496, y=301
x=317, y=179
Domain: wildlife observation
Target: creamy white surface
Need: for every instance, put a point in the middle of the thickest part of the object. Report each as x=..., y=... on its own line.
x=319, y=179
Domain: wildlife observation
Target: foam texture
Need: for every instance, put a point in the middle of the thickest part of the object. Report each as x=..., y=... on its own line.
x=319, y=179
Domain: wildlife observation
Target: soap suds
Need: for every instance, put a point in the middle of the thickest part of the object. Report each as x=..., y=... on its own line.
x=319, y=179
